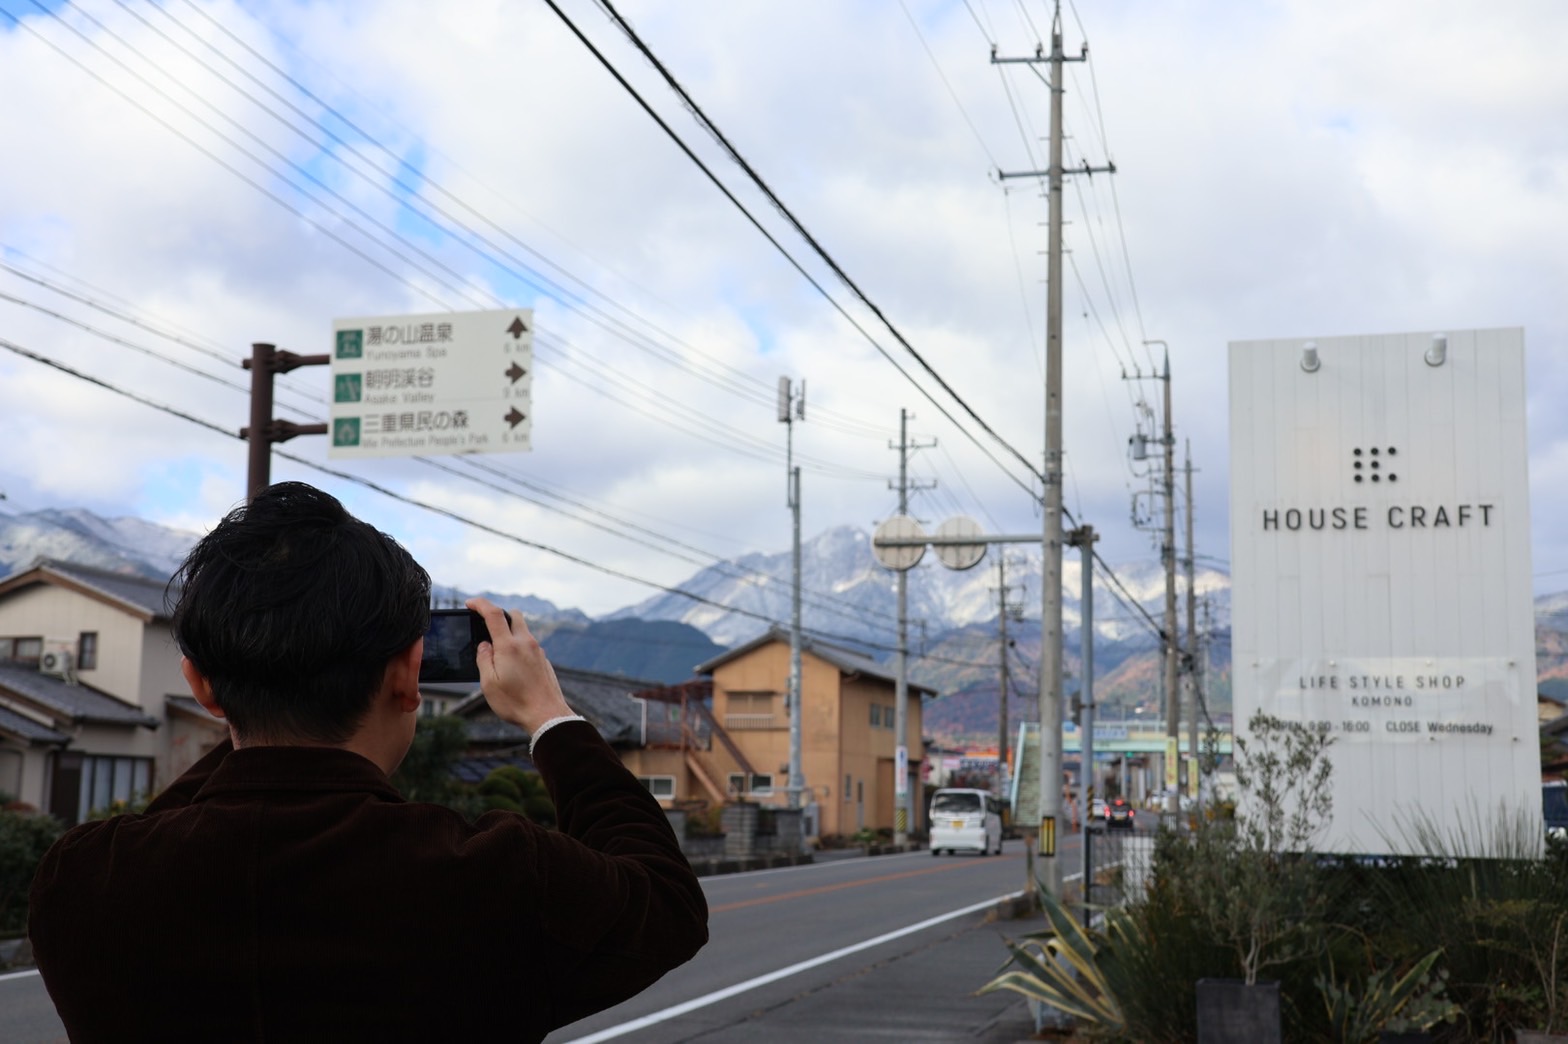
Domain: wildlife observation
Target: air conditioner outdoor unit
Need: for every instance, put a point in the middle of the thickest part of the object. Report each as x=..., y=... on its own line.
x=56, y=662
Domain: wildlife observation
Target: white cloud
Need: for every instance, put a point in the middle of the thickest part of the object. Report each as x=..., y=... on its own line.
x=1284, y=169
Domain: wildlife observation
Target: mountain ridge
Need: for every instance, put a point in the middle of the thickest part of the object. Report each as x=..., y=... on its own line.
x=849, y=599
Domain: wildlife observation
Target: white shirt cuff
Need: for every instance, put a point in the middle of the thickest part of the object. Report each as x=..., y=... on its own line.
x=547, y=726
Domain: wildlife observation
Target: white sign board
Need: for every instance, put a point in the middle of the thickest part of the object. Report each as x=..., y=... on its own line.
x=427, y=385
x=1381, y=589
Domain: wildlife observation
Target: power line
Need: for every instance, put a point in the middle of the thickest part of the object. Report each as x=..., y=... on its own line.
x=778, y=204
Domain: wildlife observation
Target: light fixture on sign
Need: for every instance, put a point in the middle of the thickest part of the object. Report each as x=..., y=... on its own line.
x=1439, y=350
x=1309, y=357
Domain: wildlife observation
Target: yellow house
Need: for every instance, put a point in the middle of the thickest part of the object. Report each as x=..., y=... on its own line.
x=848, y=739
x=93, y=709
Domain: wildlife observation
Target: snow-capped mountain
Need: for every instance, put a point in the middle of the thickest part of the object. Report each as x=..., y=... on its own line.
x=847, y=593
x=127, y=545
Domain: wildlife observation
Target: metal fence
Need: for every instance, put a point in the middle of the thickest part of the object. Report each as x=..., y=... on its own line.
x=1121, y=863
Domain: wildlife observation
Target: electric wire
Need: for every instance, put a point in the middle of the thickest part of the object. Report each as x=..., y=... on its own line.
x=951, y=93
x=722, y=376
x=375, y=263
x=241, y=175
x=603, y=371
x=794, y=223
x=859, y=614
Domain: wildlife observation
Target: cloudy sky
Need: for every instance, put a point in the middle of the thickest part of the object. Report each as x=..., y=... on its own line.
x=185, y=177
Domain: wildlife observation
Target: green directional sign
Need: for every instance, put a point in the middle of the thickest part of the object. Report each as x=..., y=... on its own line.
x=444, y=383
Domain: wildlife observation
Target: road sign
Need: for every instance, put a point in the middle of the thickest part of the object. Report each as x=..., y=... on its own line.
x=430, y=385
x=899, y=527
x=959, y=556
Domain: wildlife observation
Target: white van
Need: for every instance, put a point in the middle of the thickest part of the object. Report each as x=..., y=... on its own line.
x=965, y=820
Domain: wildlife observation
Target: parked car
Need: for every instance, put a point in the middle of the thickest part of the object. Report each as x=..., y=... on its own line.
x=1118, y=814
x=1554, y=807
x=965, y=820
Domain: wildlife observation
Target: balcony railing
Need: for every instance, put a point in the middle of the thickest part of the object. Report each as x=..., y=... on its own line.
x=737, y=722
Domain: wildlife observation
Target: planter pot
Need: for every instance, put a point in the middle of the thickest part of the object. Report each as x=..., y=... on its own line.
x=1231, y=1012
x=1538, y=1037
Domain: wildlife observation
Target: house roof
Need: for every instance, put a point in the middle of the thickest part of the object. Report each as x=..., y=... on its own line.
x=474, y=770
x=74, y=703
x=604, y=699
x=141, y=596
x=28, y=729
x=846, y=660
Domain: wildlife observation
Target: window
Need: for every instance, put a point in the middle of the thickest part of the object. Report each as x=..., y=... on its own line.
x=88, y=783
x=752, y=710
x=24, y=651
x=87, y=651
x=761, y=785
x=876, y=715
x=659, y=786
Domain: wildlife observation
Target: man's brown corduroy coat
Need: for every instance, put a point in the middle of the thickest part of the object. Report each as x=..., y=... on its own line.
x=290, y=894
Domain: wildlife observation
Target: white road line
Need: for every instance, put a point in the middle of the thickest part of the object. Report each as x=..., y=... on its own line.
x=18, y=975
x=782, y=973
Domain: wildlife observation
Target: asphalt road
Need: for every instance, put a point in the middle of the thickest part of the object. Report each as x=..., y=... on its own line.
x=886, y=947
x=800, y=954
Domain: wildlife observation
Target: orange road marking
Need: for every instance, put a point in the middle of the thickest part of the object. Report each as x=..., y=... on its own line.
x=823, y=889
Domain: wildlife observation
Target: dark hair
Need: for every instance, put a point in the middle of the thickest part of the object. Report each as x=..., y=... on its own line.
x=292, y=608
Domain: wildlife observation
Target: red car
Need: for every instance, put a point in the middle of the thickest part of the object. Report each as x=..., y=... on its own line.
x=1118, y=814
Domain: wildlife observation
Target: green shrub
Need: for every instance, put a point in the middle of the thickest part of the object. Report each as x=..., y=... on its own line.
x=706, y=821
x=24, y=838
x=517, y=790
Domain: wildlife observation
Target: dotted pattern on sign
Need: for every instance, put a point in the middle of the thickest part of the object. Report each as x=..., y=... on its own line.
x=1375, y=463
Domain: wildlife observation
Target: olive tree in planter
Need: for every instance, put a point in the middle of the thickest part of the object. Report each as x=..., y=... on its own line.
x=1254, y=878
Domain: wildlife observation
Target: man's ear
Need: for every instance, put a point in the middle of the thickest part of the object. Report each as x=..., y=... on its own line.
x=403, y=676
x=201, y=688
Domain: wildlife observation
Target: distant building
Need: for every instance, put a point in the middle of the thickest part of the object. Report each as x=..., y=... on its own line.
x=847, y=732
x=93, y=709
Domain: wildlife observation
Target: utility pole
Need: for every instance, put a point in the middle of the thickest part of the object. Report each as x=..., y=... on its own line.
x=792, y=407
x=1005, y=609
x=1083, y=538
x=1192, y=638
x=1172, y=648
x=265, y=361
x=901, y=687
x=1050, y=793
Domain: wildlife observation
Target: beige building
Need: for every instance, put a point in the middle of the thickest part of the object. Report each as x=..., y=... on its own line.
x=848, y=738
x=93, y=709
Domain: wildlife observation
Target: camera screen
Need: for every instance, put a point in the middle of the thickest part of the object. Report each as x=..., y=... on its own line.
x=451, y=644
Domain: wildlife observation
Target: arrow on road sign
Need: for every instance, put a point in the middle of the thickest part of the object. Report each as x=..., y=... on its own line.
x=514, y=417
x=515, y=371
x=518, y=328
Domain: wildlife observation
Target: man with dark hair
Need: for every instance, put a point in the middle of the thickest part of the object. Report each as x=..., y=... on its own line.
x=282, y=890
